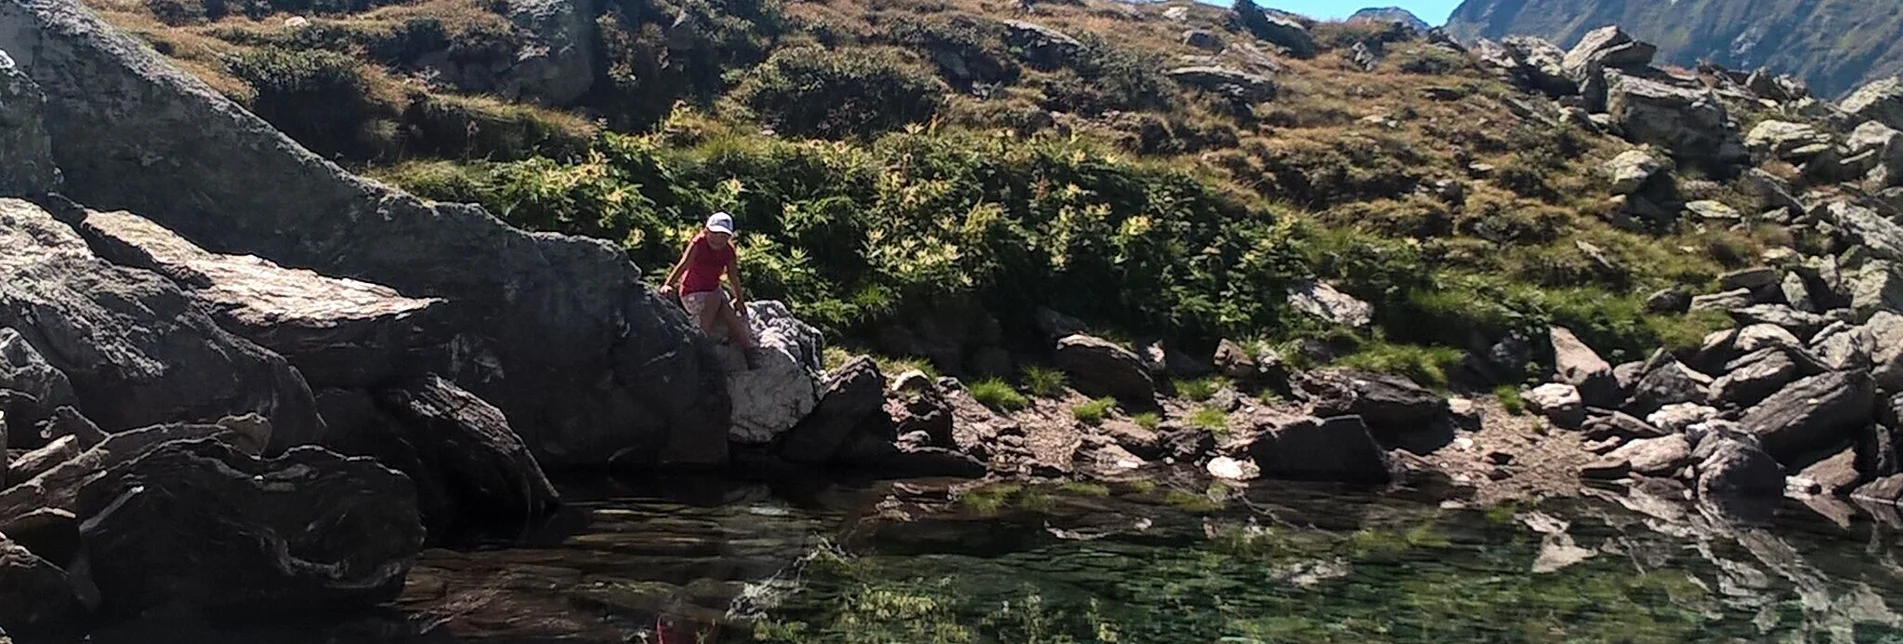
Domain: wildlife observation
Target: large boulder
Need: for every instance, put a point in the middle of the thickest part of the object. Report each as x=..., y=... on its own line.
x=558, y=331
x=1607, y=47
x=1882, y=146
x=1286, y=33
x=556, y=62
x=1813, y=413
x=1041, y=45
x=1757, y=375
x=1649, y=456
x=470, y=469
x=58, y=487
x=1384, y=402
x=1099, y=367
x=1576, y=364
x=34, y=593
x=1844, y=347
x=337, y=332
x=1730, y=465
x=783, y=386
x=1242, y=86
x=851, y=396
x=1666, y=382
x=27, y=168
x=1322, y=300
x=1632, y=170
x=136, y=350
x=32, y=389
x=1692, y=124
x=1879, y=235
x=1559, y=402
x=1876, y=287
x=1538, y=65
x=1786, y=141
x=200, y=525
x=1337, y=449
x=1880, y=101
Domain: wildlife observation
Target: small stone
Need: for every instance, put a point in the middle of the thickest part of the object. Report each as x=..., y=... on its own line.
x=1499, y=458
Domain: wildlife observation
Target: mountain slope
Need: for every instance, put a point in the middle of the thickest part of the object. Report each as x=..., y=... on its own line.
x=1835, y=45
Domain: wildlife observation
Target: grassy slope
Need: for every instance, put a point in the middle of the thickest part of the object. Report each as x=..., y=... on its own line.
x=1097, y=186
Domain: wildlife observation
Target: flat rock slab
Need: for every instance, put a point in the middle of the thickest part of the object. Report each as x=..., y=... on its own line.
x=135, y=349
x=338, y=332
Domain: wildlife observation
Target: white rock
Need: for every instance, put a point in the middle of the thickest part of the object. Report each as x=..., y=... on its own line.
x=1322, y=300
x=1554, y=396
x=784, y=386
x=1676, y=418
x=1632, y=169
x=1230, y=469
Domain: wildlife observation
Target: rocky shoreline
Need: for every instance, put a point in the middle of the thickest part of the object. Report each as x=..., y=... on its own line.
x=236, y=378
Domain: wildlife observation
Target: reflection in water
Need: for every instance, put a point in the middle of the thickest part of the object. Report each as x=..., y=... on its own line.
x=1181, y=561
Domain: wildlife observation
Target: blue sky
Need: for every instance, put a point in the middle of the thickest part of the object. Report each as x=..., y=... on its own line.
x=1433, y=11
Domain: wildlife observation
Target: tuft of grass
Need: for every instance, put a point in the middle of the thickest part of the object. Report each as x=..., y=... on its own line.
x=988, y=499
x=895, y=366
x=1084, y=488
x=1093, y=412
x=1141, y=486
x=998, y=395
x=1426, y=365
x=1043, y=382
x=1212, y=419
x=1192, y=502
x=833, y=357
x=1147, y=420
x=1200, y=389
x=1509, y=396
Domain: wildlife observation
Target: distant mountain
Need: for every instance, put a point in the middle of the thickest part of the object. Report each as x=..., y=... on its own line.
x=1392, y=14
x=1835, y=45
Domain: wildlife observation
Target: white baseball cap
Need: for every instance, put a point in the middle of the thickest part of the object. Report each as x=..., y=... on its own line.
x=720, y=222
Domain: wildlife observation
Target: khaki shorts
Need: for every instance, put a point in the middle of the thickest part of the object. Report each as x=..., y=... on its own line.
x=704, y=308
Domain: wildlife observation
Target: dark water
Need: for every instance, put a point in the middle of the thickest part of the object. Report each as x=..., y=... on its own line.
x=1174, y=559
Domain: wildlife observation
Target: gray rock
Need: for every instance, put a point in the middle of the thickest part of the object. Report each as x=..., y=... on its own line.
x=1708, y=210
x=1796, y=292
x=1784, y=140
x=852, y=396
x=1842, y=347
x=1338, y=449
x=1203, y=39
x=67, y=421
x=1287, y=34
x=470, y=470
x=784, y=386
x=1812, y=413
x=1749, y=278
x=1233, y=362
x=1322, y=300
x=556, y=63
x=1880, y=101
x=1762, y=335
x=1629, y=374
x=1669, y=300
x=37, y=462
x=1538, y=65
x=321, y=531
x=559, y=332
x=50, y=533
x=1621, y=425
x=1099, y=367
x=1755, y=377
x=1834, y=476
x=1692, y=124
x=1794, y=323
x=1884, y=333
x=1677, y=418
x=58, y=488
x=1041, y=45
x=1363, y=57
x=34, y=593
x=28, y=167
x=1666, y=383
x=1608, y=47
x=1650, y=456
x=1725, y=301
x=1238, y=85
x=337, y=332
x=1878, y=235
x=136, y=350
x=35, y=389
x=1632, y=170
x=1576, y=364
x=1729, y=466
x=1884, y=148
x=1384, y=402
x=1559, y=402
x=1878, y=286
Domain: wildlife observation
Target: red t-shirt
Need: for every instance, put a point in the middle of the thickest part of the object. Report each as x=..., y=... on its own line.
x=705, y=264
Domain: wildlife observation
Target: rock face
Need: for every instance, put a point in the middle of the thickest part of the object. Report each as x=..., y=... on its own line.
x=29, y=169
x=851, y=395
x=556, y=64
x=470, y=469
x=259, y=548
x=33, y=390
x=1323, y=301
x=779, y=391
x=337, y=332
x=1099, y=367
x=136, y=350
x=1812, y=413
x=1691, y=124
x=557, y=331
x=1336, y=449
x=1578, y=365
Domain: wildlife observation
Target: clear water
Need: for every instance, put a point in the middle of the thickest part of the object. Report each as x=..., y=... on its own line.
x=1173, y=560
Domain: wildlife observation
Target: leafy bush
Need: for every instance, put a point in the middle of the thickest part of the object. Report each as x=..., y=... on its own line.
x=1093, y=412
x=820, y=92
x=1200, y=389
x=998, y=395
x=1043, y=382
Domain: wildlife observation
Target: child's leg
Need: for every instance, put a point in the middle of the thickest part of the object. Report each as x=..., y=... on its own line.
x=737, y=328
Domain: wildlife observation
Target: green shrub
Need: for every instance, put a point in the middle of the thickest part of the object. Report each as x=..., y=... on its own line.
x=1433, y=61
x=829, y=93
x=998, y=395
x=1106, y=77
x=320, y=98
x=1210, y=418
x=1043, y=382
x=1093, y=412
x=1147, y=420
x=1426, y=365
x=1510, y=400
x=1200, y=389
